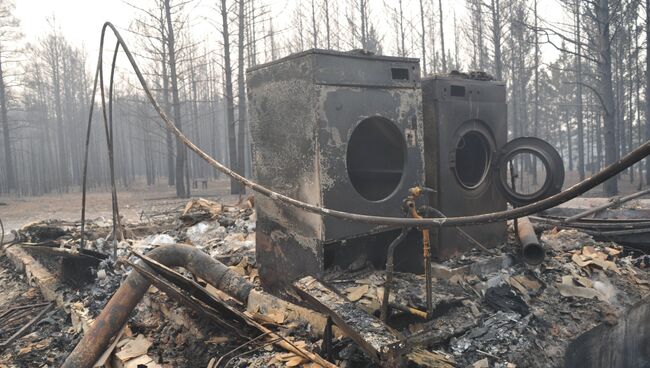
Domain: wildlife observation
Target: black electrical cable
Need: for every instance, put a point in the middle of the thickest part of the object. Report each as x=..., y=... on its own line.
x=88, y=129
x=573, y=192
x=108, y=128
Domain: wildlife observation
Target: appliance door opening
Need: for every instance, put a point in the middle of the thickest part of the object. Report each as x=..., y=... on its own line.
x=375, y=159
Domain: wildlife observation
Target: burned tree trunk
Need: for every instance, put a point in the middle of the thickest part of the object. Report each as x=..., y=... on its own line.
x=579, y=118
x=54, y=54
x=9, y=165
x=181, y=190
x=647, y=92
x=171, y=177
x=235, y=186
x=314, y=26
x=326, y=8
x=607, y=90
x=536, y=91
x=442, y=39
x=241, y=89
x=423, y=38
x=364, y=35
x=495, y=9
x=402, y=37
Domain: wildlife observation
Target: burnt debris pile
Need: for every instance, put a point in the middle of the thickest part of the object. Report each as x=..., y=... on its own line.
x=489, y=308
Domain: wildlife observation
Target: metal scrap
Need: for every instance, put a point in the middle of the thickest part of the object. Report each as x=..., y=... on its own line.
x=26, y=326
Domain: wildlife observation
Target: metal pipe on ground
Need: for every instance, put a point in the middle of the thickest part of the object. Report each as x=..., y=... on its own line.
x=613, y=202
x=531, y=249
x=117, y=311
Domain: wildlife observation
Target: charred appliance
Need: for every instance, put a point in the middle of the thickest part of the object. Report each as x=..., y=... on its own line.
x=468, y=158
x=339, y=130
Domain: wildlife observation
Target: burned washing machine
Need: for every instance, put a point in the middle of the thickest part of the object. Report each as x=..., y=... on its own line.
x=338, y=130
x=469, y=162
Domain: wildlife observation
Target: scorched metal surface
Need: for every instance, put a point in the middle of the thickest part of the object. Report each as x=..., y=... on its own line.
x=341, y=130
x=467, y=158
x=465, y=126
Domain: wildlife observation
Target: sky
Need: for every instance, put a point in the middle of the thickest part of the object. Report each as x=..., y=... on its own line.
x=80, y=21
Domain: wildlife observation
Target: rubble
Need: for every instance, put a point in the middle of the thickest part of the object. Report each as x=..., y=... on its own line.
x=46, y=342
x=488, y=309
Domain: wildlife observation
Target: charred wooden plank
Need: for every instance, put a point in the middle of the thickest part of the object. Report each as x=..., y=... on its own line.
x=378, y=340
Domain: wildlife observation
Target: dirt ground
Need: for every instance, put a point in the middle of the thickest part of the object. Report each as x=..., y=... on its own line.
x=625, y=185
x=142, y=200
x=135, y=201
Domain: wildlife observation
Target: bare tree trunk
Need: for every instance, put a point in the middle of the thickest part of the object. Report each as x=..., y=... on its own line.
x=647, y=91
x=620, y=103
x=479, y=38
x=605, y=67
x=442, y=39
x=364, y=34
x=581, y=134
x=314, y=27
x=9, y=165
x=401, y=30
x=235, y=186
x=496, y=37
x=630, y=127
x=327, y=23
x=599, y=141
x=456, y=42
x=241, y=113
x=423, y=38
x=514, y=100
x=60, y=131
x=194, y=167
x=569, y=141
x=536, y=91
x=274, y=51
x=637, y=78
x=171, y=176
x=181, y=189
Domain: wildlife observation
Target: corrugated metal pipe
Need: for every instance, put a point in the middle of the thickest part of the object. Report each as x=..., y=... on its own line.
x=117, y=311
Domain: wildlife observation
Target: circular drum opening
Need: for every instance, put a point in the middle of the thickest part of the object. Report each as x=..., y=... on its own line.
x=527, y=172
x=472, y=159
x=375, y=158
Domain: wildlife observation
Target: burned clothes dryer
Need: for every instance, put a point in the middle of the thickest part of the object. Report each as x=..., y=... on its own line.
x=468, y=160
x=339, y=130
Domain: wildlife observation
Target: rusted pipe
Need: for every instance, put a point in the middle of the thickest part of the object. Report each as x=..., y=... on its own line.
x=427, y=270
x=531, y=250
x=389, y=272
x=117, y=311
x=426, y=249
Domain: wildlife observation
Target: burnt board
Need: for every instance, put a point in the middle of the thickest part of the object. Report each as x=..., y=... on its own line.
x=377, y=339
